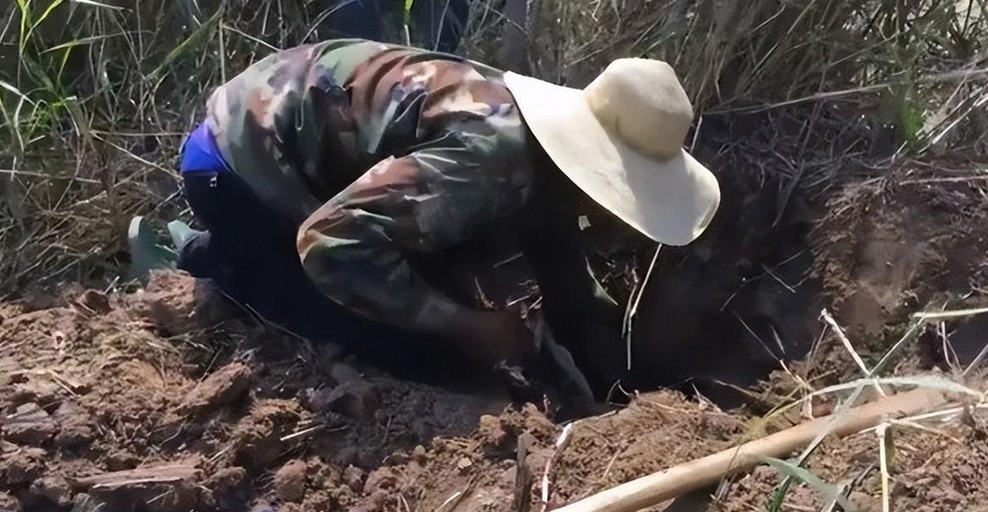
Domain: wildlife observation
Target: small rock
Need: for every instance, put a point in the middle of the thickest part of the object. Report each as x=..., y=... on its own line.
x=464, y=464
x=20, y=465
x=357, y=399
x=379, y=500
x=492, y=435
x=763, y=474
x=55, y=489
x=228, y=491
x=225, y=386
x=864, y=502
x=353, y=396
x=289, y=482
x=327, y=476
x=29, y=424
x=163, y=488
x=168, y=302
x=9, y=503
x=380, y=479
x=95, y=302
x=43, y=392
x=122, y=461
x=256, y=449
x=226, y=478
x=75, y=426
x=420, y=455
x=316, y=399
x=354, y=477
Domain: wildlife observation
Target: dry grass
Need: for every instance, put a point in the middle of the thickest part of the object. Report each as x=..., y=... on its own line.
x=95, y=96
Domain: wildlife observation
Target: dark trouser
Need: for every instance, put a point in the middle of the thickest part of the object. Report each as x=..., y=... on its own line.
x=249, y=253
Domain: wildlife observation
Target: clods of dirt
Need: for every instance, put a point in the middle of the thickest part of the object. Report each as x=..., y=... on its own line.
x=157, y=400
x=75, y=425
x=160, y=488
x=289, y=481
x=28, y=424
x=225, y=386
x=9, y=503
x=353, y=396
x=55, y=489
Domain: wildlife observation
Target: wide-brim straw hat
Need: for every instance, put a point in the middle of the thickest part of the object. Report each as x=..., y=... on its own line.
x=621, y=141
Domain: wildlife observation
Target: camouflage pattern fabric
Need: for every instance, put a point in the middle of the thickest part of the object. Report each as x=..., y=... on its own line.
x=377, y=152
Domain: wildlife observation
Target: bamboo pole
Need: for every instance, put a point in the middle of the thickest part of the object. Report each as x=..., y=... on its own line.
x=697, y=474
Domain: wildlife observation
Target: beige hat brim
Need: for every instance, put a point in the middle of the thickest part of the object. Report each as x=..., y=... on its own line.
x=671, y=201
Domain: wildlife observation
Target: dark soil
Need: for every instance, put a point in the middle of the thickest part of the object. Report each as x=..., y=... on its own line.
x=167, y=399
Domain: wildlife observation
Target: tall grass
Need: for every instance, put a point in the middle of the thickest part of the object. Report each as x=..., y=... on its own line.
x=95, y=94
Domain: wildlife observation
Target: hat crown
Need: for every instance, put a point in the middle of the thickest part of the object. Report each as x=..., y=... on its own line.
x=641, y=102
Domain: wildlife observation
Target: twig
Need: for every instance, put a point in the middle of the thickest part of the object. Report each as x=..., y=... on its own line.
x=454, y=500
x=825, y=315
x=779, y=279
x=404, y=503
x=942, y=77
x=629, y=319
x=14, y=173
x=561, y=443
x=523, y=475
x=305, y=432
x=697, y=474
x=883, y=463
x=939, y=315
x=977, y=360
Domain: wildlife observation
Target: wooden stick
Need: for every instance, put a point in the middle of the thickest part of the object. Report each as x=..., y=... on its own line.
x=696, y=474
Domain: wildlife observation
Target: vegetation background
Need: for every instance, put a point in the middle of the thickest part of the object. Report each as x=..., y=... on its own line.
x=95, y=96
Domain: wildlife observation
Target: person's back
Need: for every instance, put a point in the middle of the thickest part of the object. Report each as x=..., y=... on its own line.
x=370, y=138
x=302, y=124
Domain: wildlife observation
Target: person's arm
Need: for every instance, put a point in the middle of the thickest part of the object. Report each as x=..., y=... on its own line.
x=354, y=247
x=582, y=316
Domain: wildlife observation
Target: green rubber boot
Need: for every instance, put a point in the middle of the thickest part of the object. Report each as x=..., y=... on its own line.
x=146, y=251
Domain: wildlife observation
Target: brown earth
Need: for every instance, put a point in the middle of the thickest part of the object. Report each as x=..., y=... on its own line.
x=165, y=399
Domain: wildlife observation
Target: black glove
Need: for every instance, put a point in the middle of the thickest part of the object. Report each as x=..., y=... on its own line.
x=550, y=375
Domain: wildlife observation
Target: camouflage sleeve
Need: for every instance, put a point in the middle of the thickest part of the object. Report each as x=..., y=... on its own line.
x=355, y=246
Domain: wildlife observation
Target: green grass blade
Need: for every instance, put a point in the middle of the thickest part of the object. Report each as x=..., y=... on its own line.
x=25, y=7
x=44, y=15
x=407, y=20
x=827, y=491
x=83, y=41
x=779, y=496
x=13, y=121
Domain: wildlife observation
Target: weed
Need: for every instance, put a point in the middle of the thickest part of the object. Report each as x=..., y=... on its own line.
x=101, y=93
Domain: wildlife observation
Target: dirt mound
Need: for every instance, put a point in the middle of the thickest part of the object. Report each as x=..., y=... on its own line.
x=168, y=399
x=912, y=239
x=103, y=386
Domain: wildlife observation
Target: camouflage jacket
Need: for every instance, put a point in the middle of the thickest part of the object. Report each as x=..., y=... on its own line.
x=375, y=151
x=381, y=153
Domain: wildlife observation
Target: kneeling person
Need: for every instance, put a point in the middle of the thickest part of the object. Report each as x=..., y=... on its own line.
x=322, y=172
